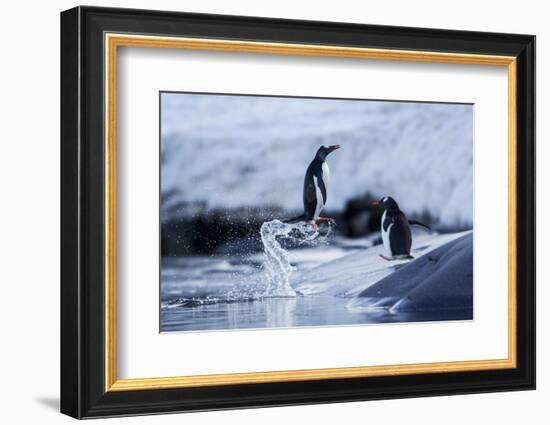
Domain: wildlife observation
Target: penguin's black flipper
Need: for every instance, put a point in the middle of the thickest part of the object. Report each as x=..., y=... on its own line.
x=400, y=236
x=418, y=223
x=310, y=197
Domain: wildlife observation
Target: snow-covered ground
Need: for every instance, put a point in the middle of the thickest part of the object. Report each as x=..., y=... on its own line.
x=234, y=151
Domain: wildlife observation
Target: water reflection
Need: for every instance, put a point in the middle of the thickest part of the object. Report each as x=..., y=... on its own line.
x=287, y=313
x=280, y=313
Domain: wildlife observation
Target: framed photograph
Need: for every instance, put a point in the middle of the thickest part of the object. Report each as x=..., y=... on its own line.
x=261, y=212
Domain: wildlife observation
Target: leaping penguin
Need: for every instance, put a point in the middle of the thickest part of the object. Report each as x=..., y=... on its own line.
x=396, y=230
x=316, y=183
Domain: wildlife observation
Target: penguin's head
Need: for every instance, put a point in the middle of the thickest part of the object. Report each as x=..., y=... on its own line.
x=388, y=203
x=323, y=151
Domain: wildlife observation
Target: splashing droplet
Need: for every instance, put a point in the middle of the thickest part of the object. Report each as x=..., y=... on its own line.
x=277, y=264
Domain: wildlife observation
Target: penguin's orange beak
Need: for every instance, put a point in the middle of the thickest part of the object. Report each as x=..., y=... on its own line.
x=333, y=148
x=375, y=203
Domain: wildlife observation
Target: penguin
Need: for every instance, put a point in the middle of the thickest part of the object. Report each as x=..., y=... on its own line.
x=316, y=183
x=396, y=230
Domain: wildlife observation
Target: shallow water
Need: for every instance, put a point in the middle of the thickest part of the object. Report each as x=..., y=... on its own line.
x=286, y=313
x=319, y=280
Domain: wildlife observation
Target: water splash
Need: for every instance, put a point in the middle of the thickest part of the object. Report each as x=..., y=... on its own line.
x=270, y=280
x=277, y=264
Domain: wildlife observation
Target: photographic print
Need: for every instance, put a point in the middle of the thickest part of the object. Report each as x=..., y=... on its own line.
x=281, y=212
x=321, y=195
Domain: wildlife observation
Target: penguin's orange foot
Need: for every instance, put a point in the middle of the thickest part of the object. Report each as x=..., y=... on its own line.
x=314, y=225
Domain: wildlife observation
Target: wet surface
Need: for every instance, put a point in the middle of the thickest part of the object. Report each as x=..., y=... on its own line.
x=286, y=313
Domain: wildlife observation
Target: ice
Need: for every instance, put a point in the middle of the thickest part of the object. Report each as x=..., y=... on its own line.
x=351, y=274
x=440, y=280
x=337, y=286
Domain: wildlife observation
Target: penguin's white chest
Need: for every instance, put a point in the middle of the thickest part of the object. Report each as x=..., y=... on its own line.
x=386, y=235
x=326, y=175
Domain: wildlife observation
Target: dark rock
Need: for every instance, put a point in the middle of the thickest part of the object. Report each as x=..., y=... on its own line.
x=207, y=231
x=360, y=217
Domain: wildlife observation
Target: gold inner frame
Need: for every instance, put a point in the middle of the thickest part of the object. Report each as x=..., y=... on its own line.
x=113, y=41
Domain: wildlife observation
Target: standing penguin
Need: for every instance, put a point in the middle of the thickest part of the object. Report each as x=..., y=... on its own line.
x=316, y=183
x=396, y=230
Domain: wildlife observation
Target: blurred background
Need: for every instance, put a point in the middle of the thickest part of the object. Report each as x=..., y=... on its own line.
x=231, y=162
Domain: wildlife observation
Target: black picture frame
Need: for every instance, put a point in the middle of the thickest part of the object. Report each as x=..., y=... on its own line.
x=83, y=392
